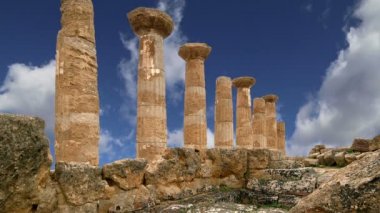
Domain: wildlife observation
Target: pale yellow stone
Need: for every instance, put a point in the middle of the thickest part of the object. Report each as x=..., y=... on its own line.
x=259, y=123
x=77, y=100
x=195, y=120
x=151, y=26
x=271, y=121
x=244, y=133
x=223, y=114
x=281, y=134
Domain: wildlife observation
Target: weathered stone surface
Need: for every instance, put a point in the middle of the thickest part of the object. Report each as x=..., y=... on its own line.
x=151, y=26
x=176, y=165
x=195, y=119
x=25, y=160
x=77, y=99
x=328, y=158
x=283, y=186
x=350, y=157
x=259, y=123
x=244, y=131
x=81, y=183
x=281, y=134
x=223, y=114
x=361, y=145
x=339, y=159
x=128, y=201
x=354, y=188
x=271, y=121
x=317, y=149
x=310, y=162
x=223, y=163
x=127, y=174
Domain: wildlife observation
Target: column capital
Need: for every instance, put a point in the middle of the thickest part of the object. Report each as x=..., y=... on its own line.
x=144, y=20
x=271, y=98
x=243, y=82
x=194, y=51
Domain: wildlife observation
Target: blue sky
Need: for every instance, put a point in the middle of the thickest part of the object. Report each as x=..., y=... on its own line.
x=319, y=56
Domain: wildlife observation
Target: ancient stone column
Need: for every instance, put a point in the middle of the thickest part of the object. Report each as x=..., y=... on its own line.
x=151, y=26
x=244, y=133
x=76, y=98
x=271, y=121
x=281, y=137
x=195, y=121
x=259, y=123
x=223, y=114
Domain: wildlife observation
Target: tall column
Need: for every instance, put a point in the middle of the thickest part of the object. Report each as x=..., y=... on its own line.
x=76, y=99
x=271, y=121
x=244, y=133
x=151, y=26
x=224, y=125
x=259, y=123
x=195, y=121
x=281, y=137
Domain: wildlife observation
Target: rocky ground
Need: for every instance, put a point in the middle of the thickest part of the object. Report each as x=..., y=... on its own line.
x=183, y=180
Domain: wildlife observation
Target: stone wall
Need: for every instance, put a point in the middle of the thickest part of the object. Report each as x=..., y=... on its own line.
x=27, y=184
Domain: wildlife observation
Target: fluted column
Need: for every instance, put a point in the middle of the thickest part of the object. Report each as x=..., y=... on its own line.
x=76, y=98
x=281, y=137
x=244, y=133
x=259, y=123
x=224, y=132
x=271, y=121
x=195, y=121
x=151, y=26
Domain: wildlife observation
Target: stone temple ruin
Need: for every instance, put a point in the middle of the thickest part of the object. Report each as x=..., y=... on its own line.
x=242, y=178
x=77, y=102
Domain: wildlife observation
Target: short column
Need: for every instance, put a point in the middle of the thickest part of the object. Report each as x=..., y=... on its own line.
x=195, y=120
x=223, y=114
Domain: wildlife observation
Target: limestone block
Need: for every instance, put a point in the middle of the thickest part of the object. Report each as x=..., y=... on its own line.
x=127, y=174
x=25, y=160
x=317, y=149
x=339, y=159
x=354, y=188
x=350, y=157
x=222, y=163
x=328, y=158
x=81, y=183
x=128, y=201
x=361, y=145
x=176, y=165
x=310, y=162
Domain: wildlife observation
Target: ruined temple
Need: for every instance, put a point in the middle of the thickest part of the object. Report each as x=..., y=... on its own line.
x=234, y=178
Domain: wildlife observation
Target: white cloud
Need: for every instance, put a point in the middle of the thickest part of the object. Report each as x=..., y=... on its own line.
x=176, y=138
x=30, y=90
x=111, y=148
x=174, y=65
x=210, y=139
x=348, y=103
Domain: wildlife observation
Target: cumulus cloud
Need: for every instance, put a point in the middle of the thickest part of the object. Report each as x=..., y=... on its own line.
x=30, y=90
x=174, y=65
x=175, y=138
x=112, y=148
x=348, y=103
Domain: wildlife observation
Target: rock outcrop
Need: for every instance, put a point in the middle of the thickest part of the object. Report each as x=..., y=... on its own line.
x=355, y=188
